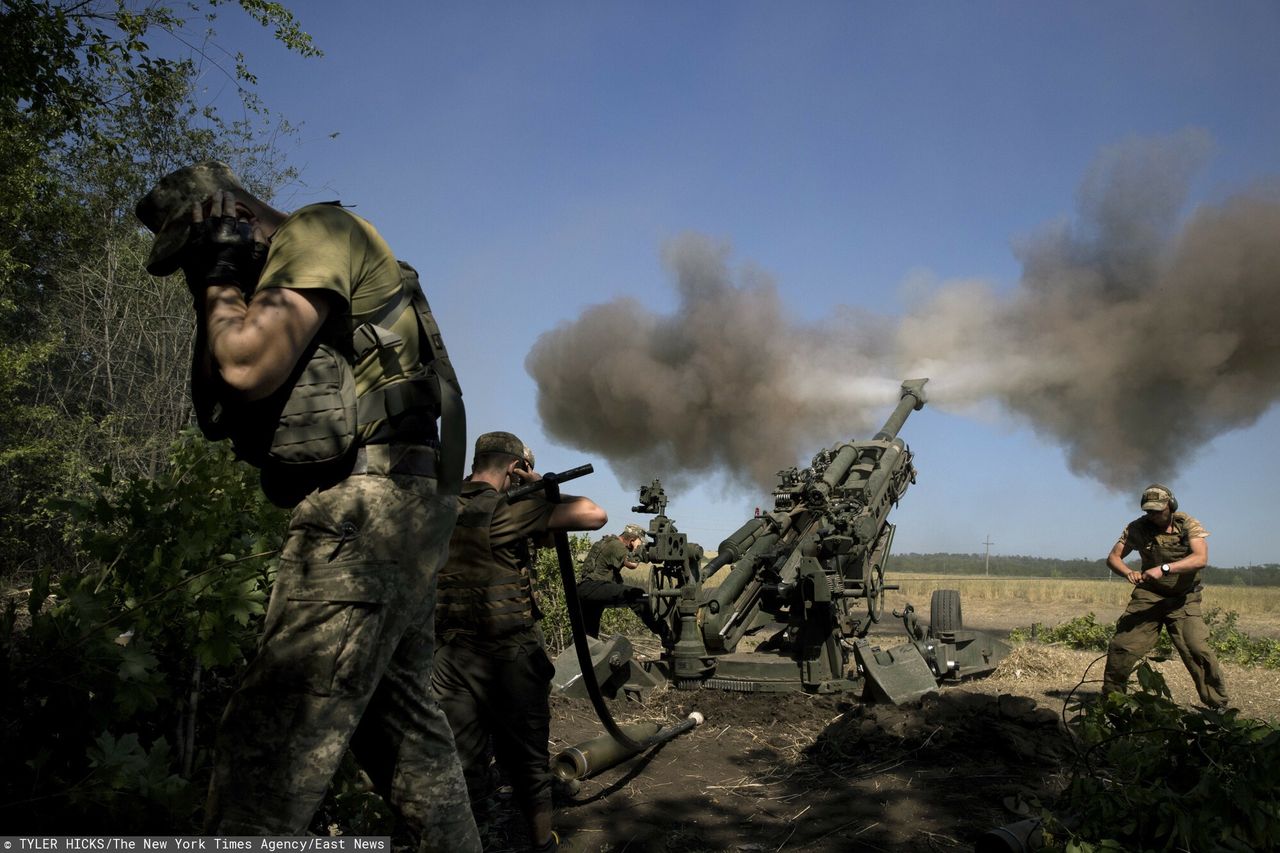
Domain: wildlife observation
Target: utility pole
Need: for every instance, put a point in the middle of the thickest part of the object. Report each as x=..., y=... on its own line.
x=988, y=543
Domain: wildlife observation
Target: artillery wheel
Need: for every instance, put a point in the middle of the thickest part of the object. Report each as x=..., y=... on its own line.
x=944, y=611
x=875, y=593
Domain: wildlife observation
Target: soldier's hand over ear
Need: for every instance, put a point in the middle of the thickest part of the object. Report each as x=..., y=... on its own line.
x=223, y=248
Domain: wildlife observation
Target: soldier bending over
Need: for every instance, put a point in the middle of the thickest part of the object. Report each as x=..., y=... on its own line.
x=600, y=584
x=347, y=646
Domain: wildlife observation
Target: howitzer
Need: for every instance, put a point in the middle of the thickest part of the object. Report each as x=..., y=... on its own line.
x=810, y=573
x=813, y=566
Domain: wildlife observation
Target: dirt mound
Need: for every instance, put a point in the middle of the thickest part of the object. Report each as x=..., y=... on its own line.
x=795, y=772
x=819, y=773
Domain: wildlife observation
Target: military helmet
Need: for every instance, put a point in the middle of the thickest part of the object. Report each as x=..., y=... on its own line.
x=633, y=531
x=1157, y=497
x=501, y=442
x=166, y=210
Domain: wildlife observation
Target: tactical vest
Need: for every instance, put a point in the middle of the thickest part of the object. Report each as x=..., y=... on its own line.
x=1168, y=548
x=482, y=592
x=303, y=436
x=594, y=567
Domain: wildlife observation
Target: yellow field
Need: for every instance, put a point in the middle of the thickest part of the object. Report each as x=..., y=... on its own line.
x=991, y=602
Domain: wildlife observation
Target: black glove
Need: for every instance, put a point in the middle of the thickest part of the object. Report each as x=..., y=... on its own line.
x=222, y=250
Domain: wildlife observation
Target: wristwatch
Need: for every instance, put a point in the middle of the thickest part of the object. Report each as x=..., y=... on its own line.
x=1164, y=568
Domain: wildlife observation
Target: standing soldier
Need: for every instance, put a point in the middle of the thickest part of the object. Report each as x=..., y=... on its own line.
x=1165, y=592
x=317, y=355
x=600, y=584
x=492, y=674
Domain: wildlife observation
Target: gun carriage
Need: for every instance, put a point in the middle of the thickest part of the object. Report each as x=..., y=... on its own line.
x=807, y=576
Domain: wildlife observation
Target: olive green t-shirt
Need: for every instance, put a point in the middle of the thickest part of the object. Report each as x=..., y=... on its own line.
x=1157, y=547
x=326, y=247
x=605, y=560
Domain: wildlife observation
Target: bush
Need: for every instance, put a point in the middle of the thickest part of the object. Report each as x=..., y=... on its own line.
x=1227, y=640
x=112, y=693
x=1151, y=775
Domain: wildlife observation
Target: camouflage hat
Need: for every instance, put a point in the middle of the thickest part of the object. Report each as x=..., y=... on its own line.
x=166, y=210
x=1156, y=496
x=500, y=442
x=633, y=530
x=528, y=457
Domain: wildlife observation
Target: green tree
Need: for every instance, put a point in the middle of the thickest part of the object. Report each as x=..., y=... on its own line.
x=112, y=683
x=93, y=352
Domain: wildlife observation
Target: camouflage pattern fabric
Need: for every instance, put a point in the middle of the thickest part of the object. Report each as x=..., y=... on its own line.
x=346, y=660
x=596, y=596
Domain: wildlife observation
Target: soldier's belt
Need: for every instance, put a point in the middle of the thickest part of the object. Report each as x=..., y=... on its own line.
x=416, y=460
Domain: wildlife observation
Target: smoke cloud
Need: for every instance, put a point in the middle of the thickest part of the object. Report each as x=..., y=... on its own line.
x=724, y=383
x=1134, y=336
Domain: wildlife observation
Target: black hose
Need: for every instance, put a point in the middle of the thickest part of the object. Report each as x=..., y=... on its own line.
x=550, y=483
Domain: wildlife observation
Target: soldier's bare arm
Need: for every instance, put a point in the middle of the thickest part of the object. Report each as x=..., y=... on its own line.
x=256, y=345
x=1115, y=562
x=572, y=513
x=577, y=513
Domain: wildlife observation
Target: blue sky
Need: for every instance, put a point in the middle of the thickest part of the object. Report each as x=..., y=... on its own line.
x=532, y=159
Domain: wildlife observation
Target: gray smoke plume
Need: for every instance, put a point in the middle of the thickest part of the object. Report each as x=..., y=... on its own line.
x=727, y=382
x=1133, y=337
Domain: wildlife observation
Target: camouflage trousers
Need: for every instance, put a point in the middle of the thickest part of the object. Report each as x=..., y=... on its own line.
x=1138, y=629
x=345, y=661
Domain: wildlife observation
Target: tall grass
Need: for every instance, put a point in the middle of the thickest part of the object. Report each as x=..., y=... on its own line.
x=1255, y=602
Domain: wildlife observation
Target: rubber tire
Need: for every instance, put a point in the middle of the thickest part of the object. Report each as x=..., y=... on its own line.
x=944, y=611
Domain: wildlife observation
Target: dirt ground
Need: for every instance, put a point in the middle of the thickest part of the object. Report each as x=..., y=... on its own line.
x=826, y=773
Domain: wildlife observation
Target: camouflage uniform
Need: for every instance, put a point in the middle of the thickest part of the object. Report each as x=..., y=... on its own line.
x=346, y=659
x=347, y=647
x=1173, y=602
x=492, y=675
x=600, y=586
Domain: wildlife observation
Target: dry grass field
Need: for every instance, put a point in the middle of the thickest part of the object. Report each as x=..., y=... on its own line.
x=1002, y=604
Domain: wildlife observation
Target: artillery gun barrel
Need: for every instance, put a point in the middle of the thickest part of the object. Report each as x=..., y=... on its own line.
x=912, y=399
x=732, y=548
x=755, y=537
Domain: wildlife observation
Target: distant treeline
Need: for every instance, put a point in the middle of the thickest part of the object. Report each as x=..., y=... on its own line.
x=1266, y=574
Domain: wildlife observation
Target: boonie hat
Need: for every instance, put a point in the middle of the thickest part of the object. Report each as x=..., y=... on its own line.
x=1155, y=497
x=166, y=210
x=500, y=442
